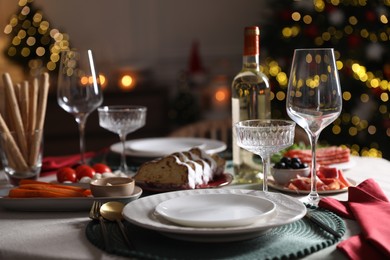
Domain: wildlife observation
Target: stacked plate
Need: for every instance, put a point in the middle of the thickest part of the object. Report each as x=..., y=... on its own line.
x=214, y=215
x=158, y=147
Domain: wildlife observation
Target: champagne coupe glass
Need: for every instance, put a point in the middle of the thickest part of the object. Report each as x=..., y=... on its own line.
x=122, y=120
x=78, y=89
x=264, y=138
x=313, y=98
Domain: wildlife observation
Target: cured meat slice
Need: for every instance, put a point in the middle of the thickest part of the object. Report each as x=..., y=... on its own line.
x=330, y=178
x=325, y=156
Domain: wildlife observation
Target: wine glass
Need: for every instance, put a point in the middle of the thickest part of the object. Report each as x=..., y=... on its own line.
x=78, y=89
x=313, y=98
x=122, y=120
x=265, y=137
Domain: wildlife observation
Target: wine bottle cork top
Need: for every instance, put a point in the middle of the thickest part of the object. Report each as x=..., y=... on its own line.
x=251, y=40
x=252, y=30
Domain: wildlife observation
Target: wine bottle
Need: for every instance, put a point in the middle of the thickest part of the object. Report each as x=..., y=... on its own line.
x=250, y=100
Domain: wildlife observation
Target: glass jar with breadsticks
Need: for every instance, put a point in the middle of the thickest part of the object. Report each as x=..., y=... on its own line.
x=22, y=117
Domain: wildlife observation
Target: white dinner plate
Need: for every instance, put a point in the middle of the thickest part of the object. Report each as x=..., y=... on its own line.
x=141, y=212
x=60, y=204
x=216, y=210
x=158, y=147
x=345, y=165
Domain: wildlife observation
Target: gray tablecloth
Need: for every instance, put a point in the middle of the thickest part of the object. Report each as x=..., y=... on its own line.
x=61, y=235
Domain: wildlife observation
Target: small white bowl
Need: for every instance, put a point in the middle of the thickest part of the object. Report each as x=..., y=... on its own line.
x=283, y=176
x=112, y=187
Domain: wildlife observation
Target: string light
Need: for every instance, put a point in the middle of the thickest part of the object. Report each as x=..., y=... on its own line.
x=34, y=39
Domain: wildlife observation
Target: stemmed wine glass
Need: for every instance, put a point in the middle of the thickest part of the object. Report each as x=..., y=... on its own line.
x=264, y=138
x=313, y=98
x=78, y=89
x=122, y=120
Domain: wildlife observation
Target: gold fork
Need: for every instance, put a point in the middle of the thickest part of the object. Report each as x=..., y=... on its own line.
x=94, y=214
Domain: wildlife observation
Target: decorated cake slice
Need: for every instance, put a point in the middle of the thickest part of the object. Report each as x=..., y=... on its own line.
x=189, y=169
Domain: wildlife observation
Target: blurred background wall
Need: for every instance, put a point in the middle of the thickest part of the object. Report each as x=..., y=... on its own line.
x=151, y=34
x=180, y=54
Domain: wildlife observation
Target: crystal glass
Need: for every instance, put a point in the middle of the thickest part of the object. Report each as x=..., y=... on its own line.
x=264, y=138
x=313, y=98
x=78, y=89
x=122, y=120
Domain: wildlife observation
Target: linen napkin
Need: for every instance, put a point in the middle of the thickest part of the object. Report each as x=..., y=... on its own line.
x=368, y=205
x=51, y=164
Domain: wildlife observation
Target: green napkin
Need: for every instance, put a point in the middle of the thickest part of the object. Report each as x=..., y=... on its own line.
x=290, y=241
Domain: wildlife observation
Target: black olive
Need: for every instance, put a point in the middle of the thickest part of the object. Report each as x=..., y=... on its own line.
x=295, y=160
x=295, y=165
x=280, y=165
x=286, y=160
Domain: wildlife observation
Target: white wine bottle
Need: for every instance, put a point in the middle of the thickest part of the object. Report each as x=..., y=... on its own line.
x=250, y=100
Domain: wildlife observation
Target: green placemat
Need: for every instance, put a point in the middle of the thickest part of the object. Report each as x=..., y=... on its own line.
x=289, y=241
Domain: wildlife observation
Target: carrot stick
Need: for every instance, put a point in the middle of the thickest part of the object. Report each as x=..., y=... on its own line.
x=25, y=193
x=65, y=192
x=75, y=188
x=87, y=193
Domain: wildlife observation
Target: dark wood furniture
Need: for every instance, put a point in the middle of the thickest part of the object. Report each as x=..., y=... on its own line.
x=61, y=135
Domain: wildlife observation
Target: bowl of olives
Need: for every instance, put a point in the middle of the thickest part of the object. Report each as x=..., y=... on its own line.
x=289, y=168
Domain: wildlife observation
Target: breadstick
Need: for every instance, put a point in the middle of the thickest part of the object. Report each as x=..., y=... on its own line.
x=2, y=99
x=17, y=93
x=33, y=94
x=12, y=147
x=24, y=100
x=15, y=114
x=42, y=97
x=41, y=111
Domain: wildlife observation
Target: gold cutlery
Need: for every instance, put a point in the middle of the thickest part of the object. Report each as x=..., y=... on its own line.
x=94, y=214
x=112, y=211
x=322, y=225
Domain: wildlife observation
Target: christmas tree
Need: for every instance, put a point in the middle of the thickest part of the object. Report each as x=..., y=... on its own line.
x=360, y=34
x=34, y=44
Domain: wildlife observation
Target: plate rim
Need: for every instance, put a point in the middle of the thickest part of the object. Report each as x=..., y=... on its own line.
x=345, y=165
x=228, y=176
x=162, y=210
x=152, y=222
x=218, y=146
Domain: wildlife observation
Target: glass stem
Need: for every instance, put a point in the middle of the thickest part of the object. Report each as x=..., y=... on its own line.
x=81, y=120
x=123, y=167
x=266, y=168
x=313, y=196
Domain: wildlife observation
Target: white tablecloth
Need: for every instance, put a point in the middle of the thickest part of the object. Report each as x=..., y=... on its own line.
x=61, y=235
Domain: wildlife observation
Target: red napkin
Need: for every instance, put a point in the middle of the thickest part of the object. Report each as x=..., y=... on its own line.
x=370, y=207
x=51, y=164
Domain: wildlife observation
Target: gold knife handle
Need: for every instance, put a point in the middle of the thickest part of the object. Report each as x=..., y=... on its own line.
x=322, y=225
x=104, y=233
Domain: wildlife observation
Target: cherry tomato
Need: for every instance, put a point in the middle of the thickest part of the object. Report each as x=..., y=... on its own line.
x=84, y=171
x=101, y=168
x=66, y=174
